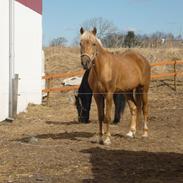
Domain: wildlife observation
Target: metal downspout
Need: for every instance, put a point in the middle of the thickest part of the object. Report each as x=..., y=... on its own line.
x=11, y=58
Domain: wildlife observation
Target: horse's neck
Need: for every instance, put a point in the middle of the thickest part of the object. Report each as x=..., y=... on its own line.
x=99, y=61
x=100, y=50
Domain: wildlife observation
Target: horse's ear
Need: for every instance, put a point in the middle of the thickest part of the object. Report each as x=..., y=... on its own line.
x=81, y=30
x=94, y=31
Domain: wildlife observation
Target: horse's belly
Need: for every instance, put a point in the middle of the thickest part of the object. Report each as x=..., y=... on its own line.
x=126, y=85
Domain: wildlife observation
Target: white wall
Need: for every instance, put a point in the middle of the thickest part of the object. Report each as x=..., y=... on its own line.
x=28, y=55
x=4, y=58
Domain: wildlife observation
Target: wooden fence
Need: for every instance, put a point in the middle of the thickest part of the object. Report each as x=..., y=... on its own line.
x=50, y=77
x=175, y=73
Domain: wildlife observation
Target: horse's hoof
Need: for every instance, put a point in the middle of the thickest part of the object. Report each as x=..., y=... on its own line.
x=84, y=121
x=100, y=141
x=145, y=135
x=130, y=134
x=107, y=141
x=115, y=122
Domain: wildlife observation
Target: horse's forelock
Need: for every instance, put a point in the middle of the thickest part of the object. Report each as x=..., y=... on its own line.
x=90, y=36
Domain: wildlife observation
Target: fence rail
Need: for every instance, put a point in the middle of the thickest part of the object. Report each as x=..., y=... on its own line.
x=156, y=76
x=51, y=77
x=175, y=62
x=62, y=89
x=63, y=75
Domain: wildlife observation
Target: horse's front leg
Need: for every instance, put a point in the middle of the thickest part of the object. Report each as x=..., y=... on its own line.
x=109, y=97
x=99, y=99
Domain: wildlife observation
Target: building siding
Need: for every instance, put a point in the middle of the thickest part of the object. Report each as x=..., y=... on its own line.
x=4, y=59
x=27, y=54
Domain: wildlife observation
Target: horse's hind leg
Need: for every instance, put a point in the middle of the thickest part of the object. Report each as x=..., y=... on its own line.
x=138, y=97
x=99, y=99
x=133, y=110
x=145, y=111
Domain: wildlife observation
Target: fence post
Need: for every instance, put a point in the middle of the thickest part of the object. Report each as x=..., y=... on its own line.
x=175, y=76
x=15, y=94
x=48, y=93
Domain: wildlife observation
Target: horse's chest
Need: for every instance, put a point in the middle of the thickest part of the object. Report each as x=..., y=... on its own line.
x=100, y=86
x=106, y=73
x=99, y=81
x=96, y=85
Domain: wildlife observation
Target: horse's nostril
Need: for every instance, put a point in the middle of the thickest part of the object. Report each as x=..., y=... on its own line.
x=85, y=64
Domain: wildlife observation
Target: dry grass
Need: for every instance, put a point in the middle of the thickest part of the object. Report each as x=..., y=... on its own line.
x=60, y=59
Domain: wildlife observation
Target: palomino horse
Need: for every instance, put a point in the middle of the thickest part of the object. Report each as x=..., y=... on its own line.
x=83, y=99
x=115, y=73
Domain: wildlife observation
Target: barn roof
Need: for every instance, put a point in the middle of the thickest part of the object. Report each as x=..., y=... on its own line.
x=35, y=5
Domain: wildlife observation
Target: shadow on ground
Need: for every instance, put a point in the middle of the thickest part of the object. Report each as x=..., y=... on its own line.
x=118, y=166
x=55, y=136
x=62, y=123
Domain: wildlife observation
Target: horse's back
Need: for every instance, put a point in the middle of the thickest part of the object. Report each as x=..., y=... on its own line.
x=131, y=69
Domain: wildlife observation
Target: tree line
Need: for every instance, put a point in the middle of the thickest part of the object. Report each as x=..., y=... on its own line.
x=108, y=33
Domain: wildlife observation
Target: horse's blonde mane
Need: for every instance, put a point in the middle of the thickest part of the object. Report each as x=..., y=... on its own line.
x=90, y=36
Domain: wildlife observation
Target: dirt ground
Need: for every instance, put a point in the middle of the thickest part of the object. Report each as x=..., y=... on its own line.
x=47, y=144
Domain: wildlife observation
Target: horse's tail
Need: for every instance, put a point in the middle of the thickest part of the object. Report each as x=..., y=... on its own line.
x=138, y=98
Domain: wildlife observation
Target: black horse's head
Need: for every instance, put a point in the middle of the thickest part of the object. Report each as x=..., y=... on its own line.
x=83, y=108
x=83, y=99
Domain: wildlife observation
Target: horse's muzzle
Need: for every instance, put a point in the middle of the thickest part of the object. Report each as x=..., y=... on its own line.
x=85, y=62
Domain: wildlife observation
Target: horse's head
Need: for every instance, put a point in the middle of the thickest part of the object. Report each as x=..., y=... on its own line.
x=88, y=45
x=83, y=114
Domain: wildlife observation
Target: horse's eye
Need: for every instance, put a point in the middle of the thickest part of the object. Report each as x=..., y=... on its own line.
x=94, y=44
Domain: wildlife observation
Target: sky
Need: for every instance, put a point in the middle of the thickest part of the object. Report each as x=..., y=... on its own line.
x=63, y=18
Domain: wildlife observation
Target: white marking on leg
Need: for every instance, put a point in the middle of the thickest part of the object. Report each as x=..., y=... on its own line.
x=131, y=134
x=145, y=126
x=107, y=141
x=145, y=130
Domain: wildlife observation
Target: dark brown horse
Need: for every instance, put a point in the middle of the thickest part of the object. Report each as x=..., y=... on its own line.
x=115, y=73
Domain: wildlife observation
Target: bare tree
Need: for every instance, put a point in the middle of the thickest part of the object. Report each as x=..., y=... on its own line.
x=104, y=27
x=60, y=41
x=75, y=41
x=114, y=40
